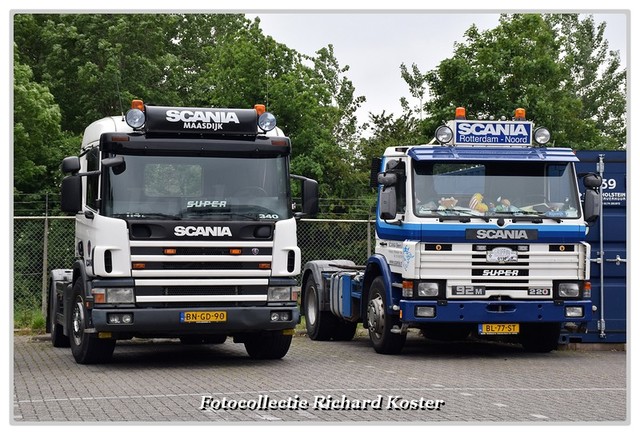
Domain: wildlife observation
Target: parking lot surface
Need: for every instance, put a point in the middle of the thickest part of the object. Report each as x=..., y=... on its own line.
x=319, y=382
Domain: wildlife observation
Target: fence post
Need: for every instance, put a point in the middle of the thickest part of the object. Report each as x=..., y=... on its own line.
x=45, y=258
x=369, y=237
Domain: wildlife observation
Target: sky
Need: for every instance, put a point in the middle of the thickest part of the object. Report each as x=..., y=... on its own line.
x=375, y=44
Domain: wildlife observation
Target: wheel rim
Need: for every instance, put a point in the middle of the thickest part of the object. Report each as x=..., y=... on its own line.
x=77, y=323
x=312, y=306
x=375, y=316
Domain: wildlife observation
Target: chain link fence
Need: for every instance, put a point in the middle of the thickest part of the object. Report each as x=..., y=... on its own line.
x=43, y=243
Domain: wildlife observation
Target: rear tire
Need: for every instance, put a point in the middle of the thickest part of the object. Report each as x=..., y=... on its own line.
x=86, y=348
x=273, y=346
x=58, y=339
x=380, y=322
x=324, y=325
x=320, y=324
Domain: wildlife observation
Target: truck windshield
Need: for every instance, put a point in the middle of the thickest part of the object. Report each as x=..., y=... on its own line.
x=535, y=189
x=198, y=188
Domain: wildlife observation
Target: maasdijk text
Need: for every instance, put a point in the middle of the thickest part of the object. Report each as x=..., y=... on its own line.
x=321, y=403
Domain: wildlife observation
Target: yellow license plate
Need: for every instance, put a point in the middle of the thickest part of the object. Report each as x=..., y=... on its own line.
x=498, y=328
x=203, y=316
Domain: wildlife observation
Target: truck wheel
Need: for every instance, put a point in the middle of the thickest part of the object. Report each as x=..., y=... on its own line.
x=540, y=338
x=273, y=346
x=321, y=325
x=380, y=323
x=86, y=348
x=58, y=339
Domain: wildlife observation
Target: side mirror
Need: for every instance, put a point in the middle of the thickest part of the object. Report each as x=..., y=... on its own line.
x=387, y=179
x=387, y=203
x=117, y=163
x=71, y=194
x=591, y=206
x=70, y=165
x=310, y=197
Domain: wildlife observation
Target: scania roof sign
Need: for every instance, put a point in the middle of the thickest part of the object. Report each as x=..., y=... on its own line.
x=493, y=133
x=201, y=120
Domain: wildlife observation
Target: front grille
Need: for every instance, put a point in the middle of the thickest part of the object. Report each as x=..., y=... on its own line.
x=200, y=291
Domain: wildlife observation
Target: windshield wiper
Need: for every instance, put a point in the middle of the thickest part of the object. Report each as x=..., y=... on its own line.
x=218, y=211
x=461, y=215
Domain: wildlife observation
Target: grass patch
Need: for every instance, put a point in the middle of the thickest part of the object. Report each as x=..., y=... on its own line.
x=29, y=319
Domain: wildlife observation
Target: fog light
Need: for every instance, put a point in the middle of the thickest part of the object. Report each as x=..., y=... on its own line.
x=425, y=311
x=573, y=312
x=119, y=318
x=568, y=290
x=280, y=316
x=427, y=289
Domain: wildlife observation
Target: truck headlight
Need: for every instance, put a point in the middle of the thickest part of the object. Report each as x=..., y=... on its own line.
x=427, y=289
x=568, y=290
x=425, y=311
x=120, y=295
x=117, y=295
x=279, y=294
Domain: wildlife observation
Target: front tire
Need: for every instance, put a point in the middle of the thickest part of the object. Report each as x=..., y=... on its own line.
x=86, y=348
x=273, y=346
x=379, y=322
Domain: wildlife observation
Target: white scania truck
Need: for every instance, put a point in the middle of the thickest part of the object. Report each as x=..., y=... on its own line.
x=184, y=228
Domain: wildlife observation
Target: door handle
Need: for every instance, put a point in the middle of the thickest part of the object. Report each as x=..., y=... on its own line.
x=617, y=260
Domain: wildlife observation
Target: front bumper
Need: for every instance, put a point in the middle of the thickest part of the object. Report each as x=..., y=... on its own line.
x=494, y=311
x=166, y=321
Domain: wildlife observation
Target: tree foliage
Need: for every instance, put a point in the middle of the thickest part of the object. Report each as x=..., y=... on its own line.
x=549, y=65
x=93, y=65
x=71, y=69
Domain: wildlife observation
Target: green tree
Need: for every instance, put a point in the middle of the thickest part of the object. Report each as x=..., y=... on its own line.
x=39, y=144
x=597, y=77
x=523, y=62
x=94, y=64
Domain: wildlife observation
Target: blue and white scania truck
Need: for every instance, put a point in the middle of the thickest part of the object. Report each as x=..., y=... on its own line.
x=184, y=228
x=480, y=232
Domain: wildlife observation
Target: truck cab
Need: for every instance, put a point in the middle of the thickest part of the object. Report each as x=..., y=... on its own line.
x=184, y=229
x=480, y=232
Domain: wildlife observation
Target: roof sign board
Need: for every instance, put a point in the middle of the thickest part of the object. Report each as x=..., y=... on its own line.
x=493, y=133
x=201, y=120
